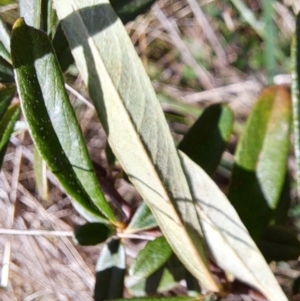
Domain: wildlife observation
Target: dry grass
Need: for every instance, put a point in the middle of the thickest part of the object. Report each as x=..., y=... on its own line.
x=168, y=39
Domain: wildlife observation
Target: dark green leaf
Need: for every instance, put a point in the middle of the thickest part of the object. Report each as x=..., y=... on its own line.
x=260, y=166
x=128, y=10
x=110, y=272
x=110, y=156
x=6, y=96
x=48, y=17
x=62, y=49
x=52, y=122
x=91, y=234
x=295, y=56
x=7, y=124
x=206, y=140
x=6, y=72
x=150, y=259
x=143, y=219
x=280, y=244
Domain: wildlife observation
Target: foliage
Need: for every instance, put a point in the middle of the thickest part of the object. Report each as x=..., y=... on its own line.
x=200, y=226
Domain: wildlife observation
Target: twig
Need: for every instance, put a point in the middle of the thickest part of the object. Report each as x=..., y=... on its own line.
x=135, y=236
x=35, y=232
x=79, y=96
x=65, y=233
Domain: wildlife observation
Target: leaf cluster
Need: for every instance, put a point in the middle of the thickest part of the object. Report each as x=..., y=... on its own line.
x=205, y=234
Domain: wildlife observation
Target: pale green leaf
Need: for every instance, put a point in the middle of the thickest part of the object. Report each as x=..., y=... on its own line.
x=229, y=242
x=31, y=12
x=135, y=124
x=143, y=219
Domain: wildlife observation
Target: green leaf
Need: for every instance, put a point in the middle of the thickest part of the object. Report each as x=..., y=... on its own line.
x=135, y=125
x=6, y=96
x=91, y=234
x=207, y=139
x=4, y=42
x=150, y=259
x=7, y=124
x=110, y=272
x=295, y=60
x=229, y=242
x=260, y=164
x=280, y=244
x=143, y=219
x=128, y=10
x=40, y=175
x=48, y=17
x=52, y=122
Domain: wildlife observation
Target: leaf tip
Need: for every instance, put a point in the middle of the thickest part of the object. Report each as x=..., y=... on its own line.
x=19, y=23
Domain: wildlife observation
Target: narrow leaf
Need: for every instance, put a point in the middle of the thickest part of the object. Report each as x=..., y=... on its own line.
x=7, y=124
x=143, y=219
x=51, y=119
x=229, y=242
x=295, y=59
x=91, y=234
x=6, y=72
x=48, y=17
x=110, y=272
x=40, y=175
x=150, y=259
x=135, y=124
x=260, y=165
x=6, y=96
x=205, y=142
